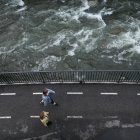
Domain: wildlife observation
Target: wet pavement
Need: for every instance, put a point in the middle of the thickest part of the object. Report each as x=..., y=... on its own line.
x=89, y=112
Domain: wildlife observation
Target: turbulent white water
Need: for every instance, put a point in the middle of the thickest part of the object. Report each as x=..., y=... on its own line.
x=66, y=35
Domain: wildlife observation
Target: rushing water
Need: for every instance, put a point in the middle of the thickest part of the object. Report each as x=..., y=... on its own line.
x=69, y=35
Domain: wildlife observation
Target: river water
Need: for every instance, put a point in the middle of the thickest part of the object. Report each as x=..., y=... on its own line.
x=69, y=35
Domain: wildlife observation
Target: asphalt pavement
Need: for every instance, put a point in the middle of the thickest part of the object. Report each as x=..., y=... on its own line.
x=84, y=112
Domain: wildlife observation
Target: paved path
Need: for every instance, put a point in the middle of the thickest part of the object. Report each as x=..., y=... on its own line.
x=85, y=112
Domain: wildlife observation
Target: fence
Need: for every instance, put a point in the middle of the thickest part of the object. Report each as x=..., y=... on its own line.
x=131, y=76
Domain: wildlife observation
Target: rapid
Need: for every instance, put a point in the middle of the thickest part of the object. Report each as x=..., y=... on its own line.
x=69, y=35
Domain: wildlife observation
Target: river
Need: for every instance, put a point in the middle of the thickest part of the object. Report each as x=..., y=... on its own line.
x=69, y=35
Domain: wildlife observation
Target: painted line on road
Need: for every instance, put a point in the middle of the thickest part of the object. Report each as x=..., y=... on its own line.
x=75, y=93
x=7, y=93
x=37, y=93
x=34, y=116
x=138, y=94
x=74, y=117
x=109, y=93
x=111, y=117
x=5, y=117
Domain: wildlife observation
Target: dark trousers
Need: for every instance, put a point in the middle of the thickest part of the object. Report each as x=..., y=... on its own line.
x=52, y=101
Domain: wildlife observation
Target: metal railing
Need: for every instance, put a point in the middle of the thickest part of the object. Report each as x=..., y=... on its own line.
x=116, y=76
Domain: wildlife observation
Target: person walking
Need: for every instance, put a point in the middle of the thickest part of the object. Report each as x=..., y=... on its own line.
x=44, y=118
x=47, y=97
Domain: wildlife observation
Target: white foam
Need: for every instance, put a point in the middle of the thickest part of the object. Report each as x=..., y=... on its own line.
x=17, y=3
x=72, y=52
x=74, y=14
x=48, y=62
x=105, y=1
x=129, y=38
x=84, y=37
x=58, y=40
x=136, y=49
x=21, y=3
x=108, y=13
x=10, y=48
x=121, y=41
x=22, y=9
x=85, y=5
x=124, y=39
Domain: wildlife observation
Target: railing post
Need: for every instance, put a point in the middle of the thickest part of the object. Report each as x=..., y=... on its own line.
x=43, y=81
x=138, y=79
x=120, y=77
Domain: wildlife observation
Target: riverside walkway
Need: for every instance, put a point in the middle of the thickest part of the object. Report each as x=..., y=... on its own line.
x=88, y=111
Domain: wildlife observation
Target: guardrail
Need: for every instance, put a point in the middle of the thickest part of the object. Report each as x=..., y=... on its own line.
x=116, y=76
